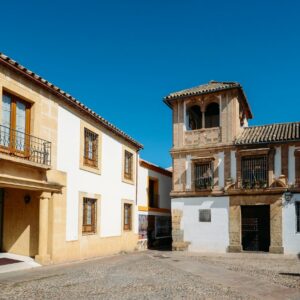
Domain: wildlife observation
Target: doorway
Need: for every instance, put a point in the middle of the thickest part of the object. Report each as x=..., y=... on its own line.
x=256, y=227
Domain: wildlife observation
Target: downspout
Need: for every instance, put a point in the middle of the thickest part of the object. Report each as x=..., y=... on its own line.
x=136, y=176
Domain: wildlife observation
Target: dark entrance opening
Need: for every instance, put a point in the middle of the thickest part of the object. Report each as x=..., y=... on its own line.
x=256, y=227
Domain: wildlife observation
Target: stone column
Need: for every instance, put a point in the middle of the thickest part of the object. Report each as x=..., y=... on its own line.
x=234, y=226
x=203, y=119
x=43, y=257
x=276, y=227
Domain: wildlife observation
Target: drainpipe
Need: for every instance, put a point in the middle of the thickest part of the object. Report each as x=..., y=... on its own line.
x=136, y=176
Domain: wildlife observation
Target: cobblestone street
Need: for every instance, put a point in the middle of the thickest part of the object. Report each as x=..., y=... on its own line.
x=160, y=275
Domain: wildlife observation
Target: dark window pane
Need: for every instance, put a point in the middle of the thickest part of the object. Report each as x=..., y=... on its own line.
x=204, y=215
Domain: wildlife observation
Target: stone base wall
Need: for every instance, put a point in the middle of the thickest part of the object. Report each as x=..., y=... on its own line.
x=178, y=243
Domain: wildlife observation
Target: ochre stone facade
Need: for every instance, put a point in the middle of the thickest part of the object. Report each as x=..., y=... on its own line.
x=224, y=146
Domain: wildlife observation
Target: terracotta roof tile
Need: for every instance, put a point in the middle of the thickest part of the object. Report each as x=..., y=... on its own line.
x=269, y=134
x=208, y=88
x=67, y=97
x=212, y=86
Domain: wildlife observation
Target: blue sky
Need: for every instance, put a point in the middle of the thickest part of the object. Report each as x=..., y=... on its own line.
x=122, y=57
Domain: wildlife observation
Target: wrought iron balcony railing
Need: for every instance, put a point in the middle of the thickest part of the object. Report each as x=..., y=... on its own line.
x=20, y=144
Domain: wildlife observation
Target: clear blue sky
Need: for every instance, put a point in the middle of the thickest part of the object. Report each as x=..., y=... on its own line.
x=122, y=57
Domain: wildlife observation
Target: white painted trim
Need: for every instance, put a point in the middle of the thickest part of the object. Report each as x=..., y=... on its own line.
x=221, y=169
x=291, y=165
x=233, y=165
x=188, y=168
x=277, y=160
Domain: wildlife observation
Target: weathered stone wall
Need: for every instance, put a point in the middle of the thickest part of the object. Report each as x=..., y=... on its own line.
x=177, y=234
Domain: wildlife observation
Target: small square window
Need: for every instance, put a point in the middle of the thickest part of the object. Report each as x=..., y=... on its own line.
x=204, y=215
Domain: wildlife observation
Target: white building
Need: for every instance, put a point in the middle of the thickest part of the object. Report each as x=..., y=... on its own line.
x=154, y=205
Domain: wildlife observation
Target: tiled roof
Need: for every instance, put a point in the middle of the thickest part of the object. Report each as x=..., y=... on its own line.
x=155, y=168
x=208, y=88
x=67, y=97
x=269, y=134
x=212, y=86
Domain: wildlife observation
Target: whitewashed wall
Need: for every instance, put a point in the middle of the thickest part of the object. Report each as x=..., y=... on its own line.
x=109, y=184
x=291, y=239
x=205, y=236
x=164, y=185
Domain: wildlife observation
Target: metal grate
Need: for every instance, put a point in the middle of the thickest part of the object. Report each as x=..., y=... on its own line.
x=128, y=161
x=254, y=172
x=203, y=175
x=17, y=143
x=204, y=215
x=90, y=148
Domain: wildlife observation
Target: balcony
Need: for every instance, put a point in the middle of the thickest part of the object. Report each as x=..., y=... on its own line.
x=25, y=146
x=202, y=137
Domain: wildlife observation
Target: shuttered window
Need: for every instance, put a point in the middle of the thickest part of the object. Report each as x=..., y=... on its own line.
x=89, y=215
x=127, y=216
x=90, y=148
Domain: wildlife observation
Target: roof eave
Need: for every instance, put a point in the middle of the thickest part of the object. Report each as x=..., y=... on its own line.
x=168, y=100
x=8, y=62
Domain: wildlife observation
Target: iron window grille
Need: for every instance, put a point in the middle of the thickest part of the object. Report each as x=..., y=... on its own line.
x=127, y=216
x=89, y=215
x=90, y=148
x=128, y=162
x=204, y=175
x=204, y=215
x=254, y=172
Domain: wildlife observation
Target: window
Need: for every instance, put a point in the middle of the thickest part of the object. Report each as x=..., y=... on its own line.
x=15, y=123
x=153, y=192
x=128, y=165
x=127, y=216
x=204, y=215
x=89, y=215
x=204, y=175
x=90, y=148
x=212, y=115
x=194, y=115
x=297, y=204
x=254, y=172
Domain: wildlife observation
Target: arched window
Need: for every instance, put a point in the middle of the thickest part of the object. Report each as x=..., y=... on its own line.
x=194, y=118
x=212, y=115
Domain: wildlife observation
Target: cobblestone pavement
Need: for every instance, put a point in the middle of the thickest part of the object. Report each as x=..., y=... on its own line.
x=160, y=275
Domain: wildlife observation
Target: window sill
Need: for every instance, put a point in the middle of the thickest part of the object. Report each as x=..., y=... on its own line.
x=88, y=168
x=129, y=181
x=88, y=233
